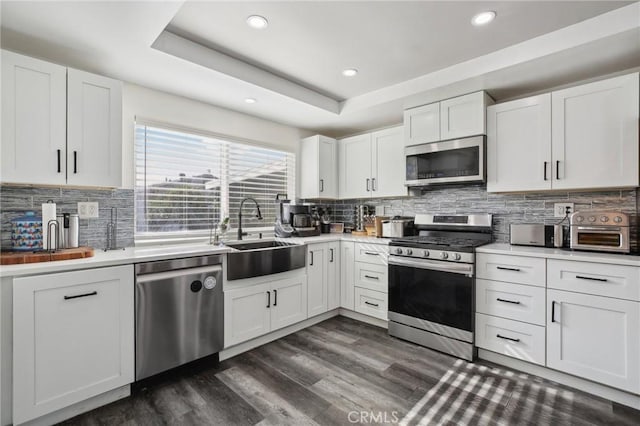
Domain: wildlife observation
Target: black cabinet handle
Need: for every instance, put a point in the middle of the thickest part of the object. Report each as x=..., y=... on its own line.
x=275, y=297
x=373, y=184
x=331, y=251
x=557, y=169
x=75, y=161
x=545, y=170
x=321, y=185
x=515, y=302
x=372, y=304
x=507, y=338
x=59, y=164
x=372, y=277
x=268, y=299
x=311, y=264
x=371, y=253
x=93, y=293
x=368, y=180
x=553, y=311
x=602, y=280
x=503, y=268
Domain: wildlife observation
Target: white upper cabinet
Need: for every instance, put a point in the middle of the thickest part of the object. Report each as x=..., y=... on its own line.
x=318, y=167
x=519, y=145
x=449, y=119
x=372, y=165
x=94, y=139
x=33, y=120
x=595, y=134
x=464, y=116
x=59, y=125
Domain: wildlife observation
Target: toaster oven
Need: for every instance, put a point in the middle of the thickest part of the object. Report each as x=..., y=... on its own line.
x=600, y=231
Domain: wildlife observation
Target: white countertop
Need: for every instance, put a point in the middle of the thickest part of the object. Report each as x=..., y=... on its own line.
x=562, y=254
x=152, y=253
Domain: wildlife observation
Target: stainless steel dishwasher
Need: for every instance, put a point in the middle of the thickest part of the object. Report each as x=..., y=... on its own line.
x=179, y=312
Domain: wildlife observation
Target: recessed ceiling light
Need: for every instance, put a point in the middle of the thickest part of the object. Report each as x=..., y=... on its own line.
x=250, y=100
x=257, y=21
x=483, y=18
x=349, y=72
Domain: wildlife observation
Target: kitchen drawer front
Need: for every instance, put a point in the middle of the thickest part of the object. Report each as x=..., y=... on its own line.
x=373, y=277
x=372, y=303
x=512, y=269
x=375, y=254
x=622, y=282
x=512, y=338
x=513, y=301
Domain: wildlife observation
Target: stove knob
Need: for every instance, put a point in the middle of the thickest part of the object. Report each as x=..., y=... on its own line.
x=444, y=255
x=457, y=256
x=579, y=219
x=604, y=219
x=425, y=253
x=398, y=251
x=617, y=219
x=592, y=219
x=409, y=252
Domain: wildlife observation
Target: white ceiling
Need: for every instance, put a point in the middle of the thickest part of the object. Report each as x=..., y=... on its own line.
x=408, y=53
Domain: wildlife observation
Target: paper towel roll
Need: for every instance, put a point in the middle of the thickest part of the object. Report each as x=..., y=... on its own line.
x=48, y=213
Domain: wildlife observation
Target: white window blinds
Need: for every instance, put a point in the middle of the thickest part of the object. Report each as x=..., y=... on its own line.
x=185, y=182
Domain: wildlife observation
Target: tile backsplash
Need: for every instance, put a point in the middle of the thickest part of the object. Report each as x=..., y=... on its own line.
x=506, y=208
x=16, y=200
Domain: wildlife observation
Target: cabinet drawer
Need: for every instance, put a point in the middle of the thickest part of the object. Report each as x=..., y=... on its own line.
x=373, y=277
x=372, y=303
x=622, y=282
x=375, y=254
x=513, y=269
x=512, y=338
x=514, y=301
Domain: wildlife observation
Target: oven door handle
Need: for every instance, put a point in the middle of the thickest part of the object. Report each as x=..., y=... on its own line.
x=456, y=268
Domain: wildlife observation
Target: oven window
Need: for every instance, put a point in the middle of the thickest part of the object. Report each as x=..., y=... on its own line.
x=598, y=239
x=444, y=164
x=440, y=297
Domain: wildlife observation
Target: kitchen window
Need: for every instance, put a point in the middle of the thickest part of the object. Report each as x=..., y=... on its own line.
x=186, y=181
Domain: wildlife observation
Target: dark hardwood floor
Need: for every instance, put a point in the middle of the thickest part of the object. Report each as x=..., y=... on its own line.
x=341, y=372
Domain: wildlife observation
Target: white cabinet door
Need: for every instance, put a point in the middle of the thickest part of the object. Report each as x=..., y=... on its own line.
x=594, y=337
x=94, y=120
x=246, y=314
x=317, y=279
x=33, y=120
x=422, y=124
x=595, y=134
x=328, y=168
x=333, y=275
x=388, y=163
x=519, y=145
x=73, y=338
x=309, y=167
x=347, y=274
x=288, y=302
x=464, y=116
x=355, y=167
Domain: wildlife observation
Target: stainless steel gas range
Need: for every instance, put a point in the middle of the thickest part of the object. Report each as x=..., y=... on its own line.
x=432, y=282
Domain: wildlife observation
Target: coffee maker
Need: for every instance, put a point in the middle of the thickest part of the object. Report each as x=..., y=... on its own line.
x=283, y=228
x=293, y=220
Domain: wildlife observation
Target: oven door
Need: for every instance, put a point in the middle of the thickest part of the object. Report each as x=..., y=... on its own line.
x=432, y=295
x=460, y=160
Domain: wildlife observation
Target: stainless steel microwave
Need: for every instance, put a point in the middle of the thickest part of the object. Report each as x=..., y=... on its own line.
x=453, y=161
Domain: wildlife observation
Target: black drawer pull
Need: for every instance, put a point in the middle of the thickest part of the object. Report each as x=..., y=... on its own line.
x=602, y=280
x=371, y=253
x=515, y=302
x=507, y=338
x=372, y=304
x=372, y=277
x=504, y=268
x=93, y=293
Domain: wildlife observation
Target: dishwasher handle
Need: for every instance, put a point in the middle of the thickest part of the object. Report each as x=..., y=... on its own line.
x=177, y=273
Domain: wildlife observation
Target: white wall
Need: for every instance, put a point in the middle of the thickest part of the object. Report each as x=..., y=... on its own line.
x=162, y=107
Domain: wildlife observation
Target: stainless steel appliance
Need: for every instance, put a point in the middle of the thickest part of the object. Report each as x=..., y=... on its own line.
x=397, y=227
x=599, y=231
x=432, y=280
x=179, y=312
x=453, y=161
x=68, y=228
x=293, y=220
x=532, y=234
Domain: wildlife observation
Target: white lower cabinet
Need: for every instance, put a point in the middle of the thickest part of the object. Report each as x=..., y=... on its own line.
x=512, y=338
x=73, y=338
x=318, y=278
x=347, y=274
x=371, y=279
x=512, y=301
x=594, y=337
x=372, y=303
x=333, y=275
x=253, y=310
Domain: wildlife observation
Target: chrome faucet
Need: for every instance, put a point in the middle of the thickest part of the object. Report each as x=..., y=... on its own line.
x=259, y=216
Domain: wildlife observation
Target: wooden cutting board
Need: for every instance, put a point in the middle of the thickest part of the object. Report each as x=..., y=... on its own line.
x=20, y=257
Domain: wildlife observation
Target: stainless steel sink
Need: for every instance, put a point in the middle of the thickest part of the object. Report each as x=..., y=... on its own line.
x=264, y=257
